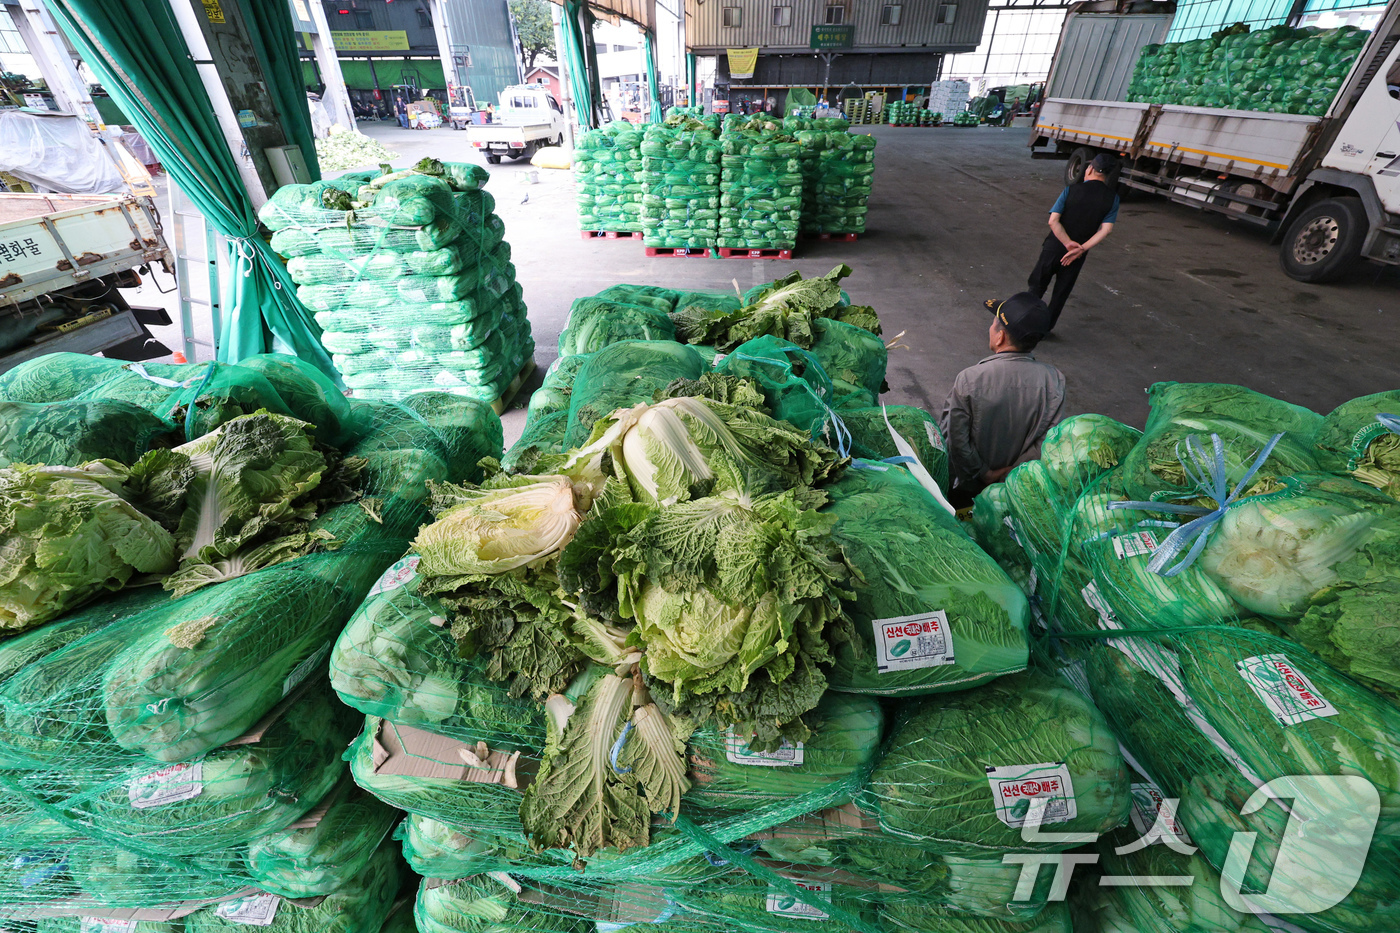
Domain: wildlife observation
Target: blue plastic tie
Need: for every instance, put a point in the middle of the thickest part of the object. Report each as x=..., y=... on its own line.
x=1390, y=422
x=190, y=407
x=617, y=749
x=1208, y=473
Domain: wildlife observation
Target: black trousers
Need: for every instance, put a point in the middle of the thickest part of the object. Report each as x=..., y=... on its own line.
x=1048, y=267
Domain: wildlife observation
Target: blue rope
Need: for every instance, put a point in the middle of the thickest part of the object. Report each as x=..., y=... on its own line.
x=190, y=406
x=617, y=749
x=1207, y=472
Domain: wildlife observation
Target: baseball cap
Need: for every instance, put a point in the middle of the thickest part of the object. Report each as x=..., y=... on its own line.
x=1023, y=315
x=1104, y=163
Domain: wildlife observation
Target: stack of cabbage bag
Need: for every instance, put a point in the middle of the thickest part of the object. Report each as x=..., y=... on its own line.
x=1252, y=548
x=839, y=171
x=608, y=176
x=186, y=543
x=1279, y=69
x=409, y=278
x=760, y=187
x=680, y=175
x=595, y=711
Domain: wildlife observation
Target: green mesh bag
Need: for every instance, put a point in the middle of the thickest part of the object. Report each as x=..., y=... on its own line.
x=71, y=433
x=1244, y=420
x=594, y=323
x=992, y=526
x=853, y=357
x=310, y=396
x=329, y=856
x=932, y=612
x=543, y=435
x=962, y=770
x=1362, y=437
x=485, y=905
x=726, y=773
x=871, y=437
x=648, y=365
x=360, y=907
x=57, y=377
x=98, y=925
x=439, y=850
x=920, y=919
x=1082, y=448
x=397, y=660
x=795, y=387
x=652, y=296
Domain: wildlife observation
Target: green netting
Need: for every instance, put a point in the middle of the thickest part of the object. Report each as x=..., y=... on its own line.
x=595, y=322
x=649, y=365
x=57, y=377
x=359, y=907
x=991, y=524
x=1278, y=69
x=838, y=173
x=794, y=385
x=409, y=279
x=853, y=357
x=962, y=770
x=871, y=438
x=933, y=612
x=439, y=850
x=681, y=175
x=329, y=856
x=1354, y=440
x=70, y=433
x=760, y=187
x=607, y=166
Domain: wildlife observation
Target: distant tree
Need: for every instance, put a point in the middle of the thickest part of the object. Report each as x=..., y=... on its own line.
x=535, y=28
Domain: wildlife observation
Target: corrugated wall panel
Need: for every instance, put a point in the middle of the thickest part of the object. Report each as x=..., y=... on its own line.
x=917, y=27
x=1098, y=53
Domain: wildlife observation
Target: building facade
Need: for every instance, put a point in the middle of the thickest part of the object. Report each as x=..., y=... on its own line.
x=869, y=43
x=549, y=77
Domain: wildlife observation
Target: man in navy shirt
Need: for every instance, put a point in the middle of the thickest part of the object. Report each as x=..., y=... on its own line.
x=1080, y=220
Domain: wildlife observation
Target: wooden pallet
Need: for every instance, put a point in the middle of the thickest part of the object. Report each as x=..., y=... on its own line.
x=727, y=252
x=610, y=234
x=508, y=396
x=692, y=251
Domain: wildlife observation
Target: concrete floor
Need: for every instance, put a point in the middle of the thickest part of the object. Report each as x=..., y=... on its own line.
x=957, y=215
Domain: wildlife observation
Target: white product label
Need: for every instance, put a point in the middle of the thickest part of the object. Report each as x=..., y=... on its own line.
x=170, y=784
x=909, y=642
x=785, y=905
x=103, y=925
x=1134, y=545
x=300, y=672
x=1284, y=690
x=1010, y=524
x=256, y=910
x=1095, y=601
x=1015, y=786
x=396, y=576
x=785, y=756
x=935, y=440
x=1147, y=804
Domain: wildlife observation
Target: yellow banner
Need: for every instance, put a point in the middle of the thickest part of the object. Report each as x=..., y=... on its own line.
x=742, y=62
x=370, y=40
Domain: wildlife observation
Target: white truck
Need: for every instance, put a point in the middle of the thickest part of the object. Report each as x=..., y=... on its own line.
x=527, y=118
x=64, y=259
x=1327, y=187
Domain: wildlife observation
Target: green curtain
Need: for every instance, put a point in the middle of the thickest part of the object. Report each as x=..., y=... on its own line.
x=691, y=74
x=138, y=52
x=653, y=87
x=576, y=24
x=272, y=34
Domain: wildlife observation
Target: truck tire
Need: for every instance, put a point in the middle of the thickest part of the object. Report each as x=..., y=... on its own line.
x=1079, y=160
x=493, y=158
x=1324, y=240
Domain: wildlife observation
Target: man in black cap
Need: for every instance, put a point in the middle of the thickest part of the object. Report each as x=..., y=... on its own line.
x=1000, y=409
x=1082, y=217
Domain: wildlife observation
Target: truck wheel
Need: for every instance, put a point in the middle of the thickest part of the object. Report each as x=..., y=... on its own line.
x=493, y=158
x=1324, y=240
x=1079, y=160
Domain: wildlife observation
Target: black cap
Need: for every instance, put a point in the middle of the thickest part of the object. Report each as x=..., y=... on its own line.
x=1104, y=164
x=1023, y=315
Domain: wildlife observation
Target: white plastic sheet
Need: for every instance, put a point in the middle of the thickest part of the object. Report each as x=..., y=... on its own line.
x=56, y=154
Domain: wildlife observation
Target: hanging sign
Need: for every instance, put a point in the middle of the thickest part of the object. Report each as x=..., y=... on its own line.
x=742, y=62
x=369, y=40
x=833, y=37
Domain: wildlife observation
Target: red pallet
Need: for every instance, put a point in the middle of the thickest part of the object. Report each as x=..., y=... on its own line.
x=609, y=235
x=700, y=252
x=735, y=253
